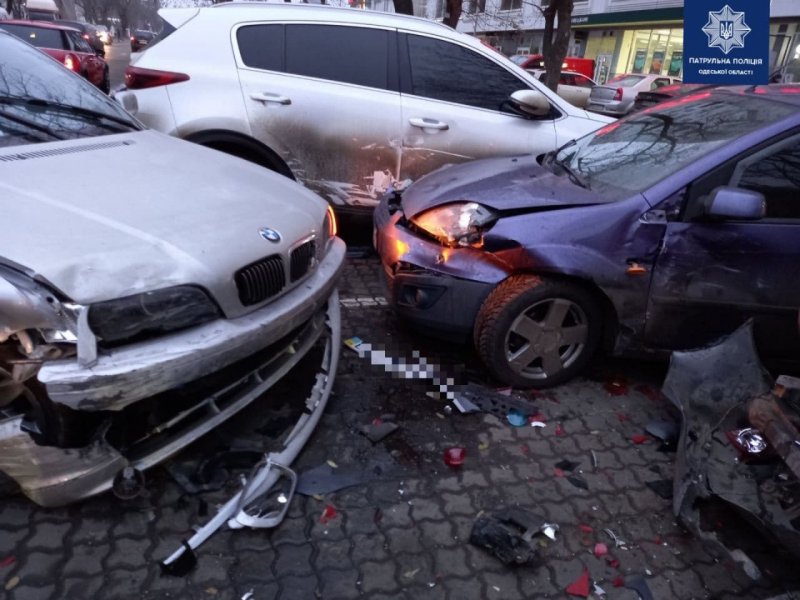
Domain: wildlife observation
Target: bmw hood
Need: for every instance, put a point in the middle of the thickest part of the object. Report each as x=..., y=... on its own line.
x=516, y=183
x=107, y=217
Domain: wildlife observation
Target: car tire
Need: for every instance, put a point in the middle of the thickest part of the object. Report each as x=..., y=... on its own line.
x=534, y=332
x=105, y=86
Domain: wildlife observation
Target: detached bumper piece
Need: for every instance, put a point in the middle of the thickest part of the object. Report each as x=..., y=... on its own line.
x=737, y=461
x=260, y=504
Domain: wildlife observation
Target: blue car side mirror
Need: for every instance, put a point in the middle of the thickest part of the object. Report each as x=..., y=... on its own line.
x=730, y=203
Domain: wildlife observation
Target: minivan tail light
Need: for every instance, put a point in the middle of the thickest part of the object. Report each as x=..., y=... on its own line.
x=137, y=78
x=72, y=63
x=618, y=94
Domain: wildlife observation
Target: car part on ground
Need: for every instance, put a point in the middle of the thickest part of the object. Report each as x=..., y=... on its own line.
x=130, y=326
x=295, y=81
x=621, y=240
x=719, y=389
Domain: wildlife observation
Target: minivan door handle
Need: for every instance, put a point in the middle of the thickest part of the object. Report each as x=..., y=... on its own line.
x=423, y=123
x=266, y=97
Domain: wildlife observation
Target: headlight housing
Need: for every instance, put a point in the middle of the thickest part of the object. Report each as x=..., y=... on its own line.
x=156, y=312
x=457, y=224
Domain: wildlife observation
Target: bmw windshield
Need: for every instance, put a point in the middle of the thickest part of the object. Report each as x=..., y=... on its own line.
x=631, y=155
x=41, y=101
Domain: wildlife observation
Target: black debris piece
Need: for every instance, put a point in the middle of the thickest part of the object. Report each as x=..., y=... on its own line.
x=324, y=479
x=567, y=465
x=661, y=487
x=375, y=432
x=578, y=481
x=507, y=533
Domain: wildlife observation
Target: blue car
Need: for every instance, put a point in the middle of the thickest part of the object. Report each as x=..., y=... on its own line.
x=660, y=231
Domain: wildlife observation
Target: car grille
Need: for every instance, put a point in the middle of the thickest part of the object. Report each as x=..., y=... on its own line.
x=301, y=260
x=261, y=280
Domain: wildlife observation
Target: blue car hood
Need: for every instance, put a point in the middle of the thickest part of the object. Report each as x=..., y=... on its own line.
x=515, y=183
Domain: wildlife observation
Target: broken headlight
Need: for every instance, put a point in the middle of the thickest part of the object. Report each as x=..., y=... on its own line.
x=151, y=312
x=459, y=224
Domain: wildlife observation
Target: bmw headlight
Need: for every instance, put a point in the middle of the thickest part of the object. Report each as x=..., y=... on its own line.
x=151, y=313
x=458, y=224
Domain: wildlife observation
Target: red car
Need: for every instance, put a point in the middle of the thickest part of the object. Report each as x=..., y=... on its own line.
x=66, y=45
x=584, y=66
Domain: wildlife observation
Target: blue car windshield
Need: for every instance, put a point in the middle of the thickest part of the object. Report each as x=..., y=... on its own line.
x=633, y=154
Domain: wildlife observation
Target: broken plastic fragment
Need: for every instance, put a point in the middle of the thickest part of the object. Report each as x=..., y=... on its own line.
x=549, y=529
x=598, y=591
x=618, y=542
x=454, y=456
x=580, y=587
x=619, y=581
x=558, y=472
x=375, y=432
x=639, y=438
x=332, y=464
x=8, y=560
x=585, y=528
x=613, y=562
x=559, y=430
x=616, y=386
x=578, y=481
x=567, y=465
x=600, y=549
x=483, y=445
x=410, y=574
x=517, y=418
x=248, y=595
x=328, y=514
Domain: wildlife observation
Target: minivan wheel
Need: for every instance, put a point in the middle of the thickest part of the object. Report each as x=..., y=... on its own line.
x=537, y=332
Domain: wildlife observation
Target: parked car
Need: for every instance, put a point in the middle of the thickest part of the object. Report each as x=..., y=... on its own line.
x=89, y=34
x=104, y=34
x=573, y=87
x=141, y=38
x=584, y=66
x=133, y=322
x=668, y=92
x=661, y=231
x=66, y=45
x=289, y=86
x=616, y=97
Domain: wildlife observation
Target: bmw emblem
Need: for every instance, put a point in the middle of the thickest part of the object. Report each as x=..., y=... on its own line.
x=270, y=235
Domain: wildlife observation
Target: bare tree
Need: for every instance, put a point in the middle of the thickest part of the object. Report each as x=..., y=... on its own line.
x=556, y=39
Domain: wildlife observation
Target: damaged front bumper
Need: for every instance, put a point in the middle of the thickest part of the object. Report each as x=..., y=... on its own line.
x=225, y=365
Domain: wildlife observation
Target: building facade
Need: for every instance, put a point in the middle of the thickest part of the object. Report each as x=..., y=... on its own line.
x=622, y=36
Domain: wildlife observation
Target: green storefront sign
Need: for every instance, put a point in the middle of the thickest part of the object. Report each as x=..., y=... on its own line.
x=629, y=18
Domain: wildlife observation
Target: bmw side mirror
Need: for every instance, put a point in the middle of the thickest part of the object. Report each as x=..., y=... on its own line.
x=736, y=204
x=531, y=103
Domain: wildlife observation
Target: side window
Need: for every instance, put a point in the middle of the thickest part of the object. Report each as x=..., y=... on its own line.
x=658, y=83
x=78, y=43
x=567, y=79
x=446, y=71
x=261, y=46
x=582, y=81
x=774, y=173
x=347, y=54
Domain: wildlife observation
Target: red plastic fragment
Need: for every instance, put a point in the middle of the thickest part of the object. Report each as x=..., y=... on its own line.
x=658, y=540
x=377, y=421
x=600, y=549
x=616, y=386
x=613, y=562
x=8, y=560
x=328, y=514
x=639, y=438
x=560, y=430
x=586, y=528
x=524, y=449
x=537, y=417
x=558, y=472
x=619, y=581
x=454, y=456
x=580, y=587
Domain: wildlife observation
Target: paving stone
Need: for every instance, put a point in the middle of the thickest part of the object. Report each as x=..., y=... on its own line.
x=26, y=592
x=296, y=559
x=368, y=547
x=128, y=553
x=47, y=535
x=329, y=555
x=378, y=577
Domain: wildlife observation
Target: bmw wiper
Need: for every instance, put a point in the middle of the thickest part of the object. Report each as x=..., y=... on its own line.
x=95, y=115
x=30, y=124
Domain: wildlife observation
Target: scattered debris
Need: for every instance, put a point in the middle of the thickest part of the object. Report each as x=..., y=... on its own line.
x=454, y=456
x=618, y=582
x=483, y=445
x=567, y=465
x=639, y=438
x=580, y=587
x=8, y=560
x=598, y=591
x=410, y=574
x=594, y=459
x=12, y=583
x=578, y=481
x=324, y=479
x=618, y=542
x=559, y=430
x=507, y=534
x=375, y=432
x=661, y=487
x=616, y=386
x=666, y=431
x=639, y=585
x=517, y=418
x=586, y=528
x=328, y=514
x=600, y=549
x=248, y=595
x=613, y=562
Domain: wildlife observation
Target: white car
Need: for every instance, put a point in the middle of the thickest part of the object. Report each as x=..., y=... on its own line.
x=348, y=102
x=135, y=321
x=573, y=87
x=617, y=96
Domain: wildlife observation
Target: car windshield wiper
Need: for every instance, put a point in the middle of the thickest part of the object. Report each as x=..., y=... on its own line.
x=95, y=115
x=573, y=175
x=30, y=124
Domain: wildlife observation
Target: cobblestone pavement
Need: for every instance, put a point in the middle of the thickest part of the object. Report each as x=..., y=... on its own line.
x=404, y=532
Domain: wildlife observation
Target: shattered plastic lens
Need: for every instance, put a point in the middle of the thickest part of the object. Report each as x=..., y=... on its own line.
x=460, y=224
x=152, y=312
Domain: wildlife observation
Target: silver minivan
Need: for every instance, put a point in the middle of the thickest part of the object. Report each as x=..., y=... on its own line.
x=345, y=101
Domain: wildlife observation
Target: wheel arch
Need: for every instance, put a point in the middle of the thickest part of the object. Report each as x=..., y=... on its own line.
x=243, y=146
